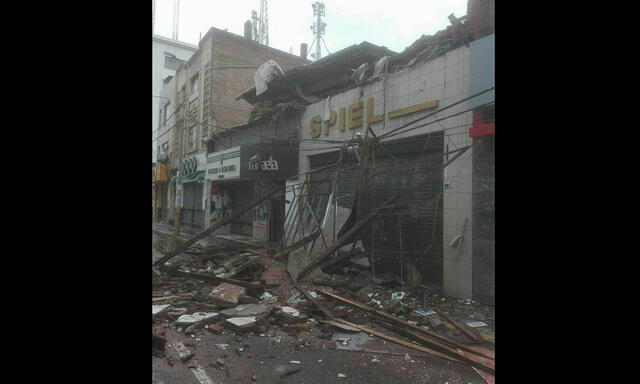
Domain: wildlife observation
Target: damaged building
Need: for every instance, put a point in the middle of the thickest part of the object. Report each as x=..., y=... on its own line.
x=347, y=216
x=378, y=124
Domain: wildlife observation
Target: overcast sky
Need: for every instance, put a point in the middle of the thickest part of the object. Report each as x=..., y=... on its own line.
x=394, y=24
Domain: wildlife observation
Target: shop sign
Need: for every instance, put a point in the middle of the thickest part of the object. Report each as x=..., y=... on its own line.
x=224, y=164
x=352, y=116
x=190, y=165
x=279, y=161
x=256, y=163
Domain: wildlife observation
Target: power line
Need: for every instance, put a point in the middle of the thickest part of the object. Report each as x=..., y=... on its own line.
x=435, y=112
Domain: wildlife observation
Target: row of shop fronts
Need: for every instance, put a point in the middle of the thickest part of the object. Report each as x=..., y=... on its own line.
x=213, y=185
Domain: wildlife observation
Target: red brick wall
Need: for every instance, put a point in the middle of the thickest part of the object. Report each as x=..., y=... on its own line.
x=231, y=49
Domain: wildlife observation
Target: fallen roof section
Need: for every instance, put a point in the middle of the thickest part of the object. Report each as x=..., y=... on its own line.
x=321, y=75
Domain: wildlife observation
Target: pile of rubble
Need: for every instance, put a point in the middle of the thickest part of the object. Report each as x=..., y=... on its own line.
x=235, y=290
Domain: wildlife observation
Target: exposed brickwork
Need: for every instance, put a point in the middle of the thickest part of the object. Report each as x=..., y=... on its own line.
x=231, y=49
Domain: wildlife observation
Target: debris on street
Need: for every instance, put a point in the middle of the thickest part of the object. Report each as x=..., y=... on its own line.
x=308, y=231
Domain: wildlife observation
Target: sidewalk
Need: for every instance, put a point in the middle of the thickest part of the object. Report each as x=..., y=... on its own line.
x=185, y=232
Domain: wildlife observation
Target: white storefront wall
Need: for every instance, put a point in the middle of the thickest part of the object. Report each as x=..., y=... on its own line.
x=445, y=79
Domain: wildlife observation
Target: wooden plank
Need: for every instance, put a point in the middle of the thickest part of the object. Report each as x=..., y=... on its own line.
x=398, y=320
x=260, y=252
x=296, y=245
x=397, y=341
x=178, y=296
x=474, y=360
x=219, y=223
x=458, y=326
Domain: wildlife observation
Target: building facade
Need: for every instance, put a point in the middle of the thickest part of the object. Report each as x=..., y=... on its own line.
x=244, y=162
x=419, y=114
x=167, y=56
x=202, y=94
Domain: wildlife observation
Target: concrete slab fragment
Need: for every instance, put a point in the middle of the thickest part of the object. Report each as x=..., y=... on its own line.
x=290, y=314
x=241, y=323
x=248, y=310
x=158, y=309
x=192, y=318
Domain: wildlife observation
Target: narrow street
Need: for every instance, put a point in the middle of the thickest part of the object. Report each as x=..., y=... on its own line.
x=323, y=201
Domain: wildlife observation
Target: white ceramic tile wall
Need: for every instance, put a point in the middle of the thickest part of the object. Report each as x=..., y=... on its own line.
x=445, y=79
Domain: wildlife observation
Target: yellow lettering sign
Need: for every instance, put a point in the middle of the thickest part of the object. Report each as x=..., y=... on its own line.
x=332, y=121
x=355, y=115
x=413, y=109
x=371, y=118
x=316, y=127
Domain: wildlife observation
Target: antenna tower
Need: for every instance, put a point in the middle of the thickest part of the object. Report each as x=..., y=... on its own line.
x=176, y=9
x=318, y=28
x=260, y=25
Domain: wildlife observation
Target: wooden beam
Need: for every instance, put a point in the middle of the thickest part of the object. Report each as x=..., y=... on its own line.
x=296, y=245
x=398, y=320
x=397, y=341
x=458, y=326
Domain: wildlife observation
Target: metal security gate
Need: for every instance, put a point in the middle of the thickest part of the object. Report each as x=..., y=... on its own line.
x=192, y=212
x=411, y=236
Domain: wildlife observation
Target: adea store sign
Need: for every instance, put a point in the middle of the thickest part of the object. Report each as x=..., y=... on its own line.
x=255, y=164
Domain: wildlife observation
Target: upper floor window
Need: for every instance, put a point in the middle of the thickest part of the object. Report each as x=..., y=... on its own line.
x=192, y=138
x=194, y=84
x=171, y=62
x=166, y=112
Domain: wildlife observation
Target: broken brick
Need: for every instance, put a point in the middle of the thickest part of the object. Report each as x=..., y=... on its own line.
x=226, y=295
x=274, y=275
x=215, y=328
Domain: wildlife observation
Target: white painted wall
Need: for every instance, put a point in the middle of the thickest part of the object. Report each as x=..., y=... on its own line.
x=182, y=51
x=445, y=79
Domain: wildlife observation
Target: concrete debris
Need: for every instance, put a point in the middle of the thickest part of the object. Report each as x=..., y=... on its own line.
x=227, y=295
x=291, y=314
x=258, y=311
x=190, y=319
x=475, y=323
x=158, y=309
x=241, y=323
x=184, y=353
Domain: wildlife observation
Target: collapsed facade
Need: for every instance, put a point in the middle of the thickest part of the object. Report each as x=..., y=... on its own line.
x=377, y=124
